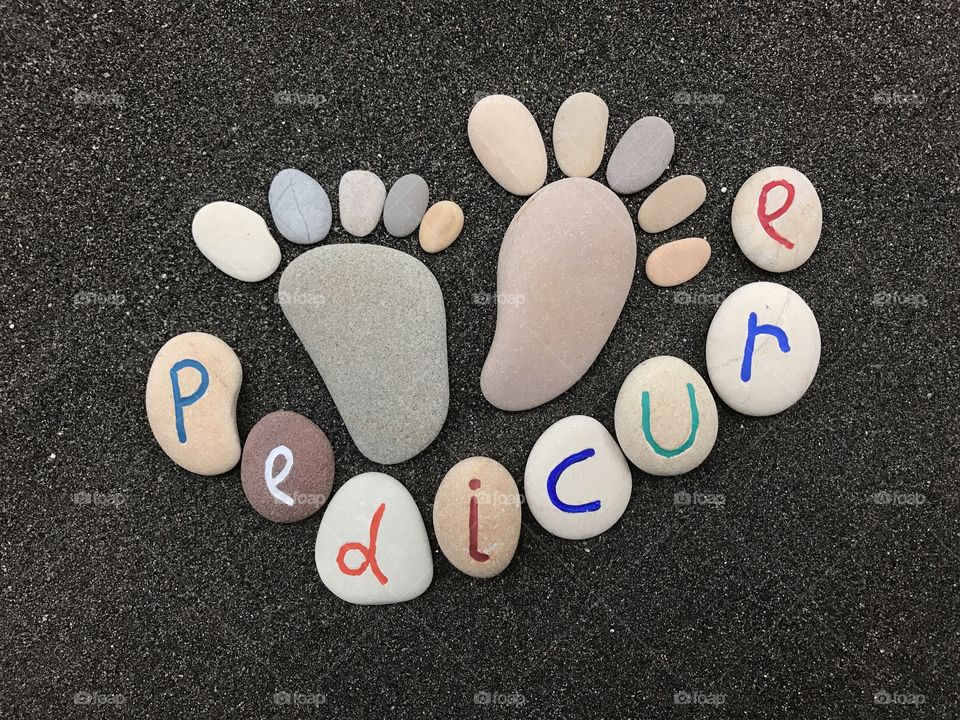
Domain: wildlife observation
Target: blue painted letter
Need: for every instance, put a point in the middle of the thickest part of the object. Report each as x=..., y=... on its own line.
x=179, y=402
x=752, y=331
x=555, y=478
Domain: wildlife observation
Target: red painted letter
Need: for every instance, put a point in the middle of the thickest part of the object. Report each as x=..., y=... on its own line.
x=369, y=553
x=475, y=525
x=766, y=221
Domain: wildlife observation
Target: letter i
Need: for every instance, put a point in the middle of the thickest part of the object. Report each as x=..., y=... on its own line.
x=475, y=524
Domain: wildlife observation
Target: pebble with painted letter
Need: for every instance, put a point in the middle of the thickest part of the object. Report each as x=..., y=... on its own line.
x=671, y=203
x=580, y=134
x=763, y=349
x=476, y=517
x=405, y=205
x=508, y=143
x=577, y=483
x=665, y=418
x=362, y=195
x=236, y=240
x=641, y=156
x=191, y=402
x=287, y=467
x=777, y=219
x=372, y=546
x=300, y=207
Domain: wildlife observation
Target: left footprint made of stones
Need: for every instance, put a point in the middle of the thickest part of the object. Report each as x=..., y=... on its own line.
x=373, y=321
x=191, y=402
x=372, y=546
x=568, y=257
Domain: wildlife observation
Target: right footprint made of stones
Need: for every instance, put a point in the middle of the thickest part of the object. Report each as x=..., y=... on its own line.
x=568, y=258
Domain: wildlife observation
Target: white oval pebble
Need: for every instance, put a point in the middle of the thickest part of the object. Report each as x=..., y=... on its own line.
x=508, y=143
x=777, y=219
x=666, y=418
x=580, y=134
x=763, y=349
x=372, y=546
x=361, y=198
x=577, y=483
x=236, y=240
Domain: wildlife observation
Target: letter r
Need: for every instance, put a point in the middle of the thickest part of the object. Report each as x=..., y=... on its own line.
x=746, y=368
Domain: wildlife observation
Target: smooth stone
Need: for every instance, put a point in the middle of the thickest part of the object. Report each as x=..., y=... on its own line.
x=300, y=207
x=592, y=482
x=775, y=234
x=665, y=417
x=440, y=226
x=678, y=261
x=580, y=134
x=505, y=138
x=405, y=205
x=287, y=467
x=672, y=203
x=236, y=240
x=566, y=265
x=771, y=379
x=361, y=198
x=378, y=336
x=191, y=402
x=641, y=156
x=478, y=492
x=372, y=546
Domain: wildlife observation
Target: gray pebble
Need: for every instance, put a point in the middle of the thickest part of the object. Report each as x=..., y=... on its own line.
x=300, y=207
x=641, y=156
x=373, y=321
x=405, y=205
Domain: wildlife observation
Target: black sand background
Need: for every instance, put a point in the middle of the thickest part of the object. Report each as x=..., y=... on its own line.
x=128, y=580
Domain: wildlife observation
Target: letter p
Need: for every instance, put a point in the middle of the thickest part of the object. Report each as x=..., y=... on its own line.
x=180, y=402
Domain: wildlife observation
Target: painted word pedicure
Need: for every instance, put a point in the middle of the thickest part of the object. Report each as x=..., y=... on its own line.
x=476, y=517
x=372, y=546
x=665, y=418
x=777, y=219
x=763, y=349
x=191, y=402
x=577, y=483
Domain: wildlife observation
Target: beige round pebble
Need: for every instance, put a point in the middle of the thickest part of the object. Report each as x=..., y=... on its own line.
x=476, y=517
x=672, y=203
x=580, y=134
x=441, y=225
x=508, y=143
x=777, y=219
x=678, y=261
x=191, y=402
x=665, y=417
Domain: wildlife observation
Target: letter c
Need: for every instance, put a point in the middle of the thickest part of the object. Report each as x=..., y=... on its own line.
x=555, y=478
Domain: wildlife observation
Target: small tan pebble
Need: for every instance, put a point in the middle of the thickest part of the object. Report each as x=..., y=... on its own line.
x=441, y=226
x=677, y=261
x=672, y=203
